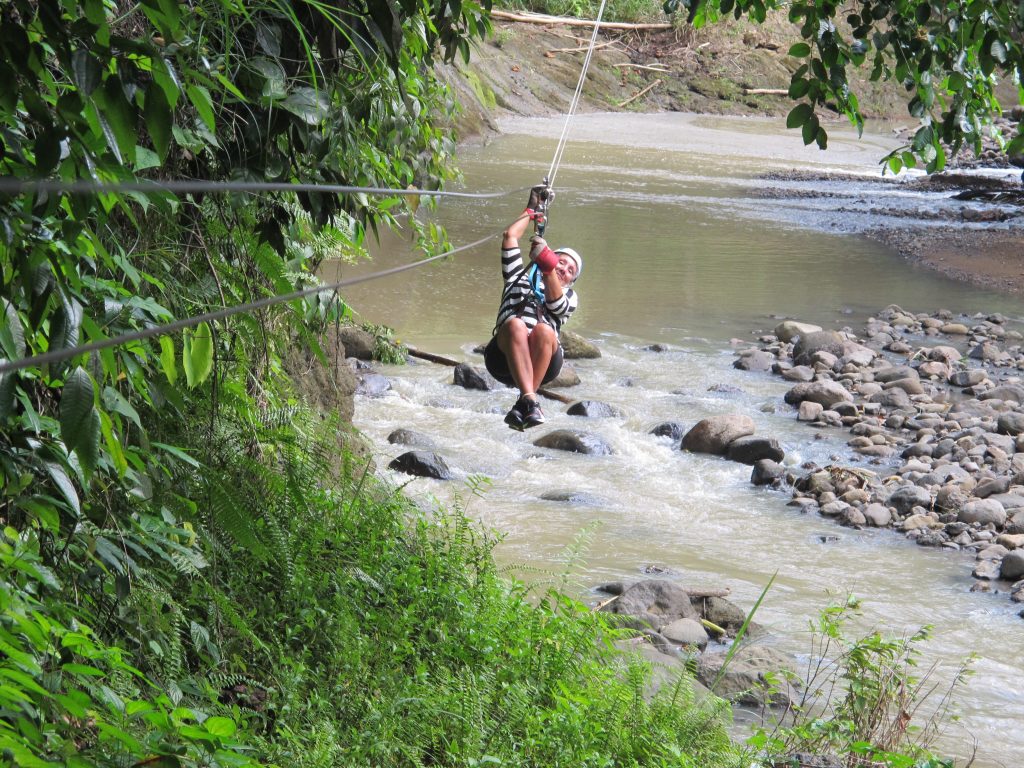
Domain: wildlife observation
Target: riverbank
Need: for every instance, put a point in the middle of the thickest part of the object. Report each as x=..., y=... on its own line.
x=736, y=69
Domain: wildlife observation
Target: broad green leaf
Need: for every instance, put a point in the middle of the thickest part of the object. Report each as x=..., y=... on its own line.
x=158, y=120
x=12, y=337
x=114, y=448
x=86, y=71
x=177, y=453
x=64, y=485
x=88, y=447
x=306, y=104
x=145, y=158
x=167, y=359
x=118, y=114
x=7, y=384
x=200, y=98
x=800, y=50
x=222, y=727
x=799, y=115
x=76, y=408
x=197, y=357
x=43, y=511
x=64, y=327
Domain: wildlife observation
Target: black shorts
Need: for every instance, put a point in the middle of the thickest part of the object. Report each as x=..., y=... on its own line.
x=497, y=365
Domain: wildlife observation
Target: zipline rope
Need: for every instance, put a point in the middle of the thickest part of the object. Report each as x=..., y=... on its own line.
x=562, y=140
x=60, y=355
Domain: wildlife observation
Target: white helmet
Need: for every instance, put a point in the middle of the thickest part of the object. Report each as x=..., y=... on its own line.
x=576, y=258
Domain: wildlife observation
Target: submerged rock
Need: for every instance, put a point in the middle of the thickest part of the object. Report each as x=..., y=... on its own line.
x=422, y=464
x=575, y=442
x=713, y=434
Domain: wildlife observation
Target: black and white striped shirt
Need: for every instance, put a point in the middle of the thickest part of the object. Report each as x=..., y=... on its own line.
x=518, y=299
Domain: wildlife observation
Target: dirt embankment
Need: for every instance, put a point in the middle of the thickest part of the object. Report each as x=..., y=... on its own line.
x=731, y=68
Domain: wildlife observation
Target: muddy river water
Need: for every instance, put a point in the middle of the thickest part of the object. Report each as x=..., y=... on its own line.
x=682, y=248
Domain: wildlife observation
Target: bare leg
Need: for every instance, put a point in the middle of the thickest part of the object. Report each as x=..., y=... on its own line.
x=514, y=342
x=543, y=342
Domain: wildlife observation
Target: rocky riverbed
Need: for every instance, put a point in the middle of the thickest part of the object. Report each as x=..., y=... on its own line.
x=934, y=405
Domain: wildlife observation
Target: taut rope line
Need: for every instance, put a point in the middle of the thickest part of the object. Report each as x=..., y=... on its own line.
x=562, y=140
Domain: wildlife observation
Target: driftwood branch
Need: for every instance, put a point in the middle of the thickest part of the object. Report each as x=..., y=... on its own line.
x=766, y=91
x=448, y=361
x=640, y=66
x=636, y=96
x=582, y=48
x=540, y=18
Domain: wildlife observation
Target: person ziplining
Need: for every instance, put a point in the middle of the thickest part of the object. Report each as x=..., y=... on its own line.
x=538, y=298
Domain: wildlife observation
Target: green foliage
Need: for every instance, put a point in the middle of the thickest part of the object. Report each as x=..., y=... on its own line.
x=385, y=348
x=947, y=56
x=864, y=700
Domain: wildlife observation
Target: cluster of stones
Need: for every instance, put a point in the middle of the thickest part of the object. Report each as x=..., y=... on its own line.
x=679, y=627
x=943, y=423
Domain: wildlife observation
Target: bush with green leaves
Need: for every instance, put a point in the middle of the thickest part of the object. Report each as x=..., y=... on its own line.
x=863, y=700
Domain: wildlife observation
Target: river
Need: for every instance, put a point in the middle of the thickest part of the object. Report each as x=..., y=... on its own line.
x=681, y=247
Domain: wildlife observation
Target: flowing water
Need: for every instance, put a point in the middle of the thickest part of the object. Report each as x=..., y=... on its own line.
x=681, y=249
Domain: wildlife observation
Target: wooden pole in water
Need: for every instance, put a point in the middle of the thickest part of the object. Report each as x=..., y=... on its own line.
x=413, y=352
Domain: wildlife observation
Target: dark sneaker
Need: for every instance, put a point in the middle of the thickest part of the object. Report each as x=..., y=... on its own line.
x=534, y=415
x=514, y=418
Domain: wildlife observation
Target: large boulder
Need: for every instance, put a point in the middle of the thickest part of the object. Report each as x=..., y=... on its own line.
x=755, y=675
x=470, y=377
x=575, y=442
x=1012, y=565
x=755, y=360
x=826, y=393
x=983, y=511
x=575, y=347
x=749, y=450
x=767, y=472
x=1010, y=423
x=358, y=343
x=817, y=341
x=1004, y=392
x=422, y=464
x=907, y=496
x=713, y=434
x=372, y=384
x=655, y=602
x=788, y=330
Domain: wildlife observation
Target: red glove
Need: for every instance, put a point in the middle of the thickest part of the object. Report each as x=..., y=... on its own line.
x=542, y=255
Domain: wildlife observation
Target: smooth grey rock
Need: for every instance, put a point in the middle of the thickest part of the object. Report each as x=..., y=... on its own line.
x=724, y=614
x=713, y=434
x=422, y=464
x=826, y=392
x=567, y=377
x=745, y=679
x=656, y=602
x=686, y=632
x=809, y=411
x=470, y=377
x=372, y=384
x=411, y=438
x=1012, y=566
x=982, y=511
x=895, y=373
x=907, y=496
x=991, y=486
x=593, y=409
x=766, y=472
x=967, y=378
x=755, y=360
x=1010, y=423
x=799, y=373
x=575, y=442
x=1004, y=392
x=788, y=330
x=892, y=398
x=817, y=341
x=877, y=515
x=575, y=347
x=750, y=450
x=671, y=429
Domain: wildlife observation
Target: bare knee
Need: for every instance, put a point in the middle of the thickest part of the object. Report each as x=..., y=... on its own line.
x=543, y=335
x=512, y=331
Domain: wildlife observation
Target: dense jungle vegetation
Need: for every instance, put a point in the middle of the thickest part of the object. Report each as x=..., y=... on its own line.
x=189, y=575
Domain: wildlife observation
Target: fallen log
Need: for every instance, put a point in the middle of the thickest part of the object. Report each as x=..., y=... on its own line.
x=441, y=360
x=541, y=18
x=636, y=96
